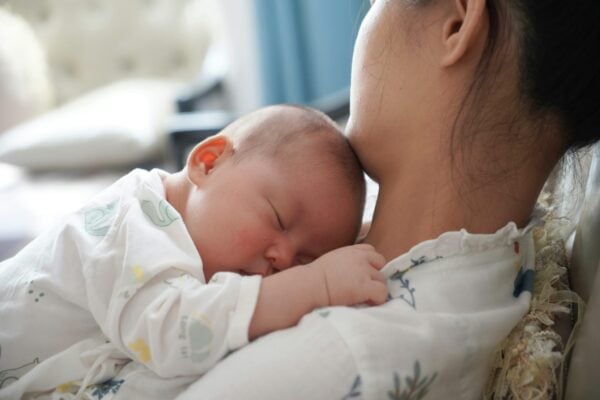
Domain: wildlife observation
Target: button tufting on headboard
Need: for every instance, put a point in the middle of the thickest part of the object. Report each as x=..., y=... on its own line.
x=90, y=43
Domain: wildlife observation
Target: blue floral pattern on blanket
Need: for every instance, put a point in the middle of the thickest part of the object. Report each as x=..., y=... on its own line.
x=109, y=387
x=354, y=390
x=399, y=286
x=523, y=281
x=413, y=388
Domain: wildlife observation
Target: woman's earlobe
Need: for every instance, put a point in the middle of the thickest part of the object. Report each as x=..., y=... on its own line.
x=463, y=29
x=206, y=156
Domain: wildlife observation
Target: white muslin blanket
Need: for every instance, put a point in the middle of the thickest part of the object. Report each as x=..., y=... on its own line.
x=452, y=301
x=79, y=324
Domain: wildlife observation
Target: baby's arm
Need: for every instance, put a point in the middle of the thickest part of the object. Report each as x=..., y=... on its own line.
x=346, y=276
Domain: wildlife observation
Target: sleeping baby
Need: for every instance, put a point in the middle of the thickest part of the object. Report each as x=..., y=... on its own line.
x=175, y=271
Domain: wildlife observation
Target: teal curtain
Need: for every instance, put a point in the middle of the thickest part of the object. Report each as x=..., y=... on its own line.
x=306, y=47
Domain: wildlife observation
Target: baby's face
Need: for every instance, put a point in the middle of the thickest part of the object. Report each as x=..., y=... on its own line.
x=261, y=216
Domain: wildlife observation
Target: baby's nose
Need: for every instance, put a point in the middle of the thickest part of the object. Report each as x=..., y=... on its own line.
x=281, y=255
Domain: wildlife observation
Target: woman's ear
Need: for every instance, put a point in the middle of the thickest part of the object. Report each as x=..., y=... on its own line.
x=465, y=26
x=206, y=156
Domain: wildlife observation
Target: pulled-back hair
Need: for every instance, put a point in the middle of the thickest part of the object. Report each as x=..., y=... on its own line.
x=560, y=68
x=553, y=45
x=558, y=63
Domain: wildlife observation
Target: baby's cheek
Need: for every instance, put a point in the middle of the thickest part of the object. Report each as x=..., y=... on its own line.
x=249, y=240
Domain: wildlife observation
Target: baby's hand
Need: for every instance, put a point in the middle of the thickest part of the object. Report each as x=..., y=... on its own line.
x=351, y=275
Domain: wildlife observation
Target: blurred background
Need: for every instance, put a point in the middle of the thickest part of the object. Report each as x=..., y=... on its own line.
x=90, y=89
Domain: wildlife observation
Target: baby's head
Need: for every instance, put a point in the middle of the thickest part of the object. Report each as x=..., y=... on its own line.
x=276, y=188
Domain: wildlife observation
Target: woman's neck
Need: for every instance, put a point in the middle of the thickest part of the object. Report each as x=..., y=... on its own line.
x=422, y=203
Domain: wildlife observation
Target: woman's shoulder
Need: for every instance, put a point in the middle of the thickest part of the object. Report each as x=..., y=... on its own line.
x=451, y=301
x=462, y=246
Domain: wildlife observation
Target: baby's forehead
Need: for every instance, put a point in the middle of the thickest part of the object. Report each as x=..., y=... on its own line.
x=313, y=151
x=316, y=166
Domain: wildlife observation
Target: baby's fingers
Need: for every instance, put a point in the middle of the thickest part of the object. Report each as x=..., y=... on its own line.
x=369, y=251
x=376, y=275
x=376, y=260
x=378, y=293
x=379, y=261
x=363, y=246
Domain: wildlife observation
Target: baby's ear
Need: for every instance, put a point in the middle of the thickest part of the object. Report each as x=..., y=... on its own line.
x=206, y=156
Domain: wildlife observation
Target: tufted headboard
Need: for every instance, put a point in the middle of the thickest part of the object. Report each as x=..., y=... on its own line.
x=89, y=43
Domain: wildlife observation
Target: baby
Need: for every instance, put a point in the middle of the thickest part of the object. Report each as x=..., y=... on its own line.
x=177, y=270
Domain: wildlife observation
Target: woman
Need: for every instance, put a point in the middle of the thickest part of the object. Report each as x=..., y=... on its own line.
x=460, y=109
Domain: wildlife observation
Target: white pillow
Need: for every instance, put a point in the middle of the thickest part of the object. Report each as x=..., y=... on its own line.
x=117, y=125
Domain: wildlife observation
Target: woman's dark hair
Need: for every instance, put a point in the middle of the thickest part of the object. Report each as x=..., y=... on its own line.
x=559, y=61
x=557, y=58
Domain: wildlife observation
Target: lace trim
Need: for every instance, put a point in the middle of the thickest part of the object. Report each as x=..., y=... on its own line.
x=529, y=363
x=458, y=243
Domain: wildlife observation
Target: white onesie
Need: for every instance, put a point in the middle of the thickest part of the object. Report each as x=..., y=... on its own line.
x=120, y=278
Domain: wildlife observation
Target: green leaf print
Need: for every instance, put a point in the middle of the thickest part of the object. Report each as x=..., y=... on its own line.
x=323, y=312
x=11, y=375
x=97, y=221
x=415, y=387
x=162, y=215
x=200, y=339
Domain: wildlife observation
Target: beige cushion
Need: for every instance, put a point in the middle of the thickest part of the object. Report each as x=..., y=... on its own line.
x=121, y=124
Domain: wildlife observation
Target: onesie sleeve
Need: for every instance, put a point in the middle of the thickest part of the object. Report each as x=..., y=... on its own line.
x=147, y=292
x=310, y=361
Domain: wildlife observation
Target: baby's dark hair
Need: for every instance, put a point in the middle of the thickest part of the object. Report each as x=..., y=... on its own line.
x=281, y=131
